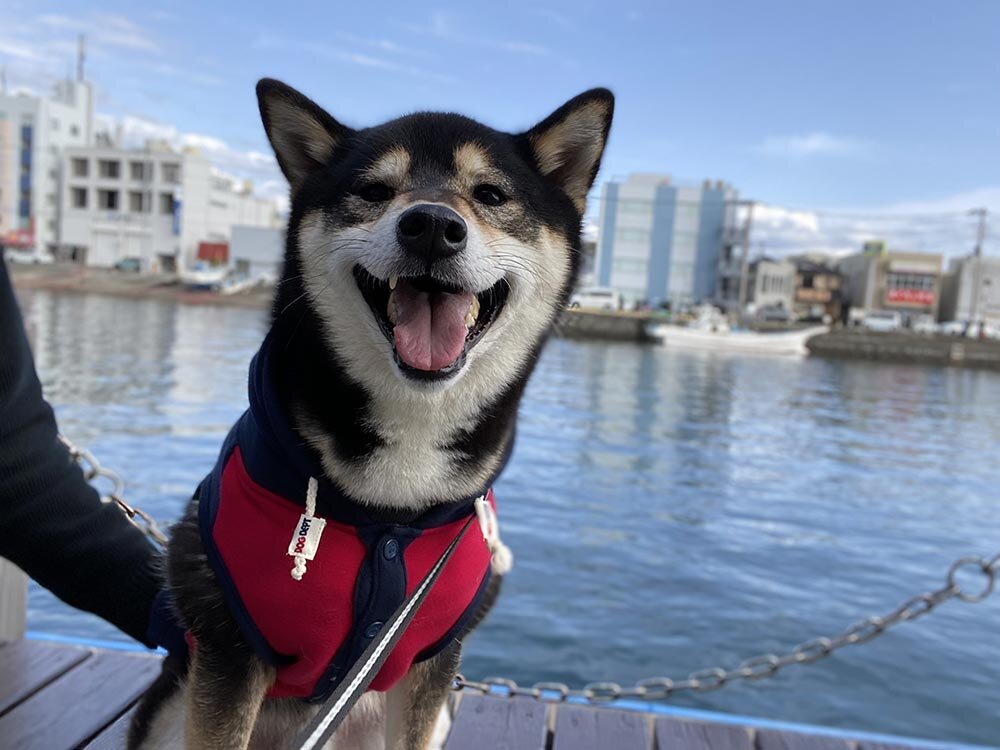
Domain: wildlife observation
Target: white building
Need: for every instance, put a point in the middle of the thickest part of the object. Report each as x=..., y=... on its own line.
x=257, y=252
x=33, y=133
x=659, y=242
x=153, y=206
x=959, y=300
x=772, y=283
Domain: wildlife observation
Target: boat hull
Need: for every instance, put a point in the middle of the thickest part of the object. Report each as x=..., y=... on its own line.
x=787, y=343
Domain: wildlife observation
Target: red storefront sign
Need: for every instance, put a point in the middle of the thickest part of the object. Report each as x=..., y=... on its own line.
x=18, y=238
x=213, y=252
x=924, y=297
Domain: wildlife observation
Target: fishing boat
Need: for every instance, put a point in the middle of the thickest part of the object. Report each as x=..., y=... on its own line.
x=711, y=330
x=203, y=277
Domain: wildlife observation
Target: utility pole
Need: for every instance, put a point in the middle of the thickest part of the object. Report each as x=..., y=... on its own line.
x=745, y=256
x=977, y=271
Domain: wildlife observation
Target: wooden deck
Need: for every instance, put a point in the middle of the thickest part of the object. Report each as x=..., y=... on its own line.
x=61, y=697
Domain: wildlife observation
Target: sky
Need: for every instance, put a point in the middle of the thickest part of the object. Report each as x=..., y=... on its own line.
x=845, y=120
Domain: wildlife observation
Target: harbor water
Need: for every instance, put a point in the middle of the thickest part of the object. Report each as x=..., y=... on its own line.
x=668, y=511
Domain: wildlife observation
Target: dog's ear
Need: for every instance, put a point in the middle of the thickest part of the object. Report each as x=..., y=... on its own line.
x=301, y=132
x=568, y=144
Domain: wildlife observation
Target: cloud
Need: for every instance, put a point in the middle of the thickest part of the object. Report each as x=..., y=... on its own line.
x=104, y=29
x=810, y=144
x=443, y=26
x=933, y=226
x=199, y=77
x=261, y=168
x=336, y=53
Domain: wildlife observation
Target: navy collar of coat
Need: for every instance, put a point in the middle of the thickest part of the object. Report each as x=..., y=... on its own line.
x=280, y=461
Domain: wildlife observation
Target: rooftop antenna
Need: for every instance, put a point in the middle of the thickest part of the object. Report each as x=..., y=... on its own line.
x=81, y=56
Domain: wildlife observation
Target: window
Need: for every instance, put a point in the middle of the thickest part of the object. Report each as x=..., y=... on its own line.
x=630, y=265
x=55, y=124
x=636, y=207
x=107, y=200
x=171, y=172
x=140, y=171
x=627, y=234
x=918, y=281
x=50, y=199
x=166, y=203
x=78, y=197
x=109, y=169
x=74, y=130
x=138, y=202
x=81, y=167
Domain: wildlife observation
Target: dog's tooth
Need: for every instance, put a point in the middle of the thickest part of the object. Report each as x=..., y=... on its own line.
x=393, y=280
x=473, y=313
x=391, y=311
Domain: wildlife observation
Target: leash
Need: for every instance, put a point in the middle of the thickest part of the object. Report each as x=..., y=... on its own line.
x=366, y=668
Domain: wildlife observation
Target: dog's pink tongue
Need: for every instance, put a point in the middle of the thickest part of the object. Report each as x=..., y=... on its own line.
x=430, y=327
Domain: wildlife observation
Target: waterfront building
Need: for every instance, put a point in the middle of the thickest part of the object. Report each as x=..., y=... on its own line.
x=661, y=243
x=891, y=280
x=156, y=208
x=34, y=130
x=771, y=284
x=817, y=289
x=257, y=252
x=959, y=297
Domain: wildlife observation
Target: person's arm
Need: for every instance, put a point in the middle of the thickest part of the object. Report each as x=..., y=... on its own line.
x=52, y=522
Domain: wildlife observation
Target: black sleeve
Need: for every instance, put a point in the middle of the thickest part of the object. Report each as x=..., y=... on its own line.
x=52, y=522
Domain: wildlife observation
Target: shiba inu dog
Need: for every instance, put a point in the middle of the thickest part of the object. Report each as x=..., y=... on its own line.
x=427, y=259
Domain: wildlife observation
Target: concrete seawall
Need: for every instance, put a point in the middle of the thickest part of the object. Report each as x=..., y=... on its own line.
x=599, y=324
x=908, y=347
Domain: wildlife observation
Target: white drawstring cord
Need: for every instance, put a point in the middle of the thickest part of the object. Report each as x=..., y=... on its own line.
x=502, y=559
x=300, y=559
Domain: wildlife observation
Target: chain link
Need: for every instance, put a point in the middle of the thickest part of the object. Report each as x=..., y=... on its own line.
x=764, y=665
x=653, y=688
x=93, y=471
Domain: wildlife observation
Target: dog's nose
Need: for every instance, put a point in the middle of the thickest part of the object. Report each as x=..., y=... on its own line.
x=431, y=232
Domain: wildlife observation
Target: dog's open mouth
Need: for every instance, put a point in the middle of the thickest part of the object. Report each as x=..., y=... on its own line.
x=431, y=325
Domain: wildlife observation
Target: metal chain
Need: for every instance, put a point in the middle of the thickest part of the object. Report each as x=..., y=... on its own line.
x=93, y=470
x=653, y=688
x=764, y=665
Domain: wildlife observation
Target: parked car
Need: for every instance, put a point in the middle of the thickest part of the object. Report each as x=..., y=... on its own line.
x=129, y=265
x=27, y=256
x=969, y=329
x=773, y=314
x=597, y=298
x=882, y=321
x=925, y=324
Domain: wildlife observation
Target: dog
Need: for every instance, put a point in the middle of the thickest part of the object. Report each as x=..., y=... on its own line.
x=427, y=259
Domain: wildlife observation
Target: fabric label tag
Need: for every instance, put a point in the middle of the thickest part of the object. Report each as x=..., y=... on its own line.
x=305, y=540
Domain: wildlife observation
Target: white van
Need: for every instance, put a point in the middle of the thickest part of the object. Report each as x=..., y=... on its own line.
x=597, y=298
x=882, y=321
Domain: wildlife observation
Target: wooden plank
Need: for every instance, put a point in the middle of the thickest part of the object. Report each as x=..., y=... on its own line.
x=112, y=738
x=684, y=734
x=26, y=667
x=589, y=728
x=78, y=705
x=498, y=723
x=13, y=601
x=769, y=739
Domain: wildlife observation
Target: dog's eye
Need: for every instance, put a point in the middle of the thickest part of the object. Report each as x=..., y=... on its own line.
x=489, y=195
x=375, y=192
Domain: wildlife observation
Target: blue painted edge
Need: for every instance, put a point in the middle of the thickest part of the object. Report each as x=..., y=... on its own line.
x=650, y=708
x=70, y=640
